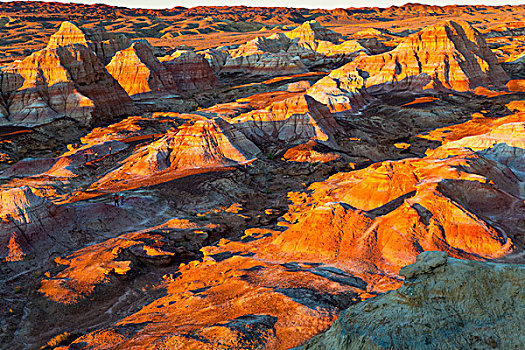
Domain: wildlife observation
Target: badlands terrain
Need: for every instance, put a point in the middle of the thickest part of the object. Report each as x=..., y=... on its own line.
x=289, y=178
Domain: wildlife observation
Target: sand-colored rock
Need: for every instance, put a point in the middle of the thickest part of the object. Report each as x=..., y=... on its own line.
x=104, y=44
x=444, y=303
x=448, y=56
x=67, y=81
x=138, y=71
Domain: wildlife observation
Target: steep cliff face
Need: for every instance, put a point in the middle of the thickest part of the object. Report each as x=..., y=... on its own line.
x=444, y=303
x=191, y=72
x=68, y=81
x=138, y=71
x=104, y=44
x=449, y=56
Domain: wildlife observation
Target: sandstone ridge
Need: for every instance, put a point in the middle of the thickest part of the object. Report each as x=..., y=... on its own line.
x=451, y=56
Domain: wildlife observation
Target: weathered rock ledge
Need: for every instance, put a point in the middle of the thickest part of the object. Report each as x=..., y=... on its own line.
x=445, y=303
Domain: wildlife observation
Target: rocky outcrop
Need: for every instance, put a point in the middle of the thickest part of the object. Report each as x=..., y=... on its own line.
x=67, y=81
x=264, y=56
x=96, y=266
x=312, y=31
x=104, y=44
x=340, y=91
x=449, y=56
x=292, y=52
x=504, y=144
x=20, y=212
x=200, y=146
x=191, y=72
x=33, y=227
x=381, y=217
x=444, y=303
x=309, y=152
x=138, y=71
x=292, y=120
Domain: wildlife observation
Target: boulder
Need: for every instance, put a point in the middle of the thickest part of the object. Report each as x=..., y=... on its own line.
x=444, y=303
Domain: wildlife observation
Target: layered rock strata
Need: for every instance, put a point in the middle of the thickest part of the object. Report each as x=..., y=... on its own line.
x=449, y=56
x=61, y=81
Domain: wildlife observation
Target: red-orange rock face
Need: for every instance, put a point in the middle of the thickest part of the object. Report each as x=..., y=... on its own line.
x=449, y=56
x=104, y=44
x=307, y=153
x=138, y=71
x=205, y=145
x=62, y=81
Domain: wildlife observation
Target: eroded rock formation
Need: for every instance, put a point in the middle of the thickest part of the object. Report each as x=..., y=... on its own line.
x=291, y=52
x=61, y=81
x=448, y=56
x=138, y=71
x=444, y=303
x=104, y=44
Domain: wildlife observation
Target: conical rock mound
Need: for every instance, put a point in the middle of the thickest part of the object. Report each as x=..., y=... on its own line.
x=204, y=145
x=311, y=31
x=104, y=44
x=138, y=71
